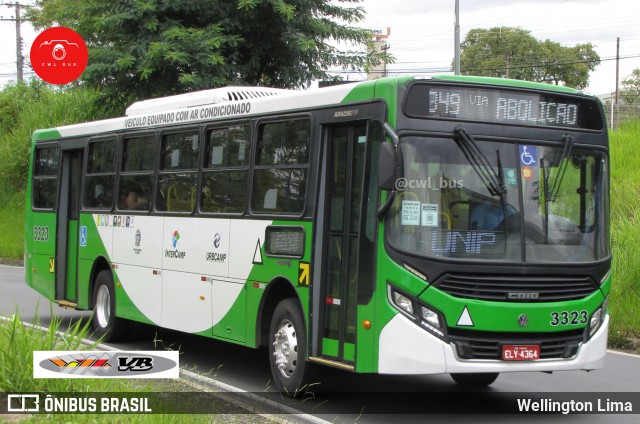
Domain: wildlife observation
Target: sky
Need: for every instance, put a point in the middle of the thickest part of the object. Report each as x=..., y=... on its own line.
x=422, y=32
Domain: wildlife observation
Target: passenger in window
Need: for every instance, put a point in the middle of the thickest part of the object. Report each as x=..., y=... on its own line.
x=134, y=199
x=101, y=197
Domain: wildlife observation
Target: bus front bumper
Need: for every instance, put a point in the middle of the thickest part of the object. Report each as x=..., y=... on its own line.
x=406, y=348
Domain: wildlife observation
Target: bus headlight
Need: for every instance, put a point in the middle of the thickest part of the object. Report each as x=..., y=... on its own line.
x=430, y=316
x=403, y=303
x=427, y=317
x=605, y=306
x=431, y=322
x=598, y=317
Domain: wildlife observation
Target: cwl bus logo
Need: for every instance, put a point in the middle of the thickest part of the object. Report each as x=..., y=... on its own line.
x=523, y=296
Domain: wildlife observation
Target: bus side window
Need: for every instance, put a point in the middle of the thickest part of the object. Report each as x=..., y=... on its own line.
x=136, y=173
x=45, y=177
x=280, y=174
x=177, y=178
x=101, y=174
x=226, y=170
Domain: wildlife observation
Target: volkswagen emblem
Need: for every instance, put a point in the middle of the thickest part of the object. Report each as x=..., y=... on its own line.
x=523, y=320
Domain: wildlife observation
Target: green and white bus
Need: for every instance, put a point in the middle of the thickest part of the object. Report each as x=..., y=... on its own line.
x=400, y=226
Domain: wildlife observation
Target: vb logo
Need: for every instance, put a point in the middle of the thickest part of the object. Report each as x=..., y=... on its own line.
x=135, y=363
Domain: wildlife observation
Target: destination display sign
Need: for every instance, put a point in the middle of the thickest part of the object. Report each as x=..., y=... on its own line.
x=491, y=105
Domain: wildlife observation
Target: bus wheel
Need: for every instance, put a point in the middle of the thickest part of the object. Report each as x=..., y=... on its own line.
x=104, y=321
x=475, y=380
x=288, y=347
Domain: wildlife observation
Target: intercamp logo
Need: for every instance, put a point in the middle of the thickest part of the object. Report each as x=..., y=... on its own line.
x=174, y=239
x=138, y=364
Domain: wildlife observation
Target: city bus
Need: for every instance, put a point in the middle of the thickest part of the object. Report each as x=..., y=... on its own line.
x=445, y=225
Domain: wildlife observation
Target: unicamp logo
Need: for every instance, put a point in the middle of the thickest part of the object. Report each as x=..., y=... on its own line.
x=59, y=55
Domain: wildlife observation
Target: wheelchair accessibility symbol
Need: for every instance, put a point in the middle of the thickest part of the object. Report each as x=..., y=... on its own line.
x=83, y=236
x=528, y=155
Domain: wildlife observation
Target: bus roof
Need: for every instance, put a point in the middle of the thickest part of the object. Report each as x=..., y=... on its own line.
x=220, y=103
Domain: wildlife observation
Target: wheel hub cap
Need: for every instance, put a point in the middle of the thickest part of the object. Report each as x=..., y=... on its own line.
x=285, y=350
x=103, y=306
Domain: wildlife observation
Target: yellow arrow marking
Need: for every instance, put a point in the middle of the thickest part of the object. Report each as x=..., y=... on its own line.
x=303, y=273
x=52, y=265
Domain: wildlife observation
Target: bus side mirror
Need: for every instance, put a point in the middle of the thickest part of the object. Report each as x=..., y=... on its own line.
x=386, y=166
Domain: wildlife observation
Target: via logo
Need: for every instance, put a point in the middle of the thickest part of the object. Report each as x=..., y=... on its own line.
x=175, y=238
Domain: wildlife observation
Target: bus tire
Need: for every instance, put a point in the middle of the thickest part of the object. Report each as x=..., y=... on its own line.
x=288, y=348
x=475, y=379
x=107, y=326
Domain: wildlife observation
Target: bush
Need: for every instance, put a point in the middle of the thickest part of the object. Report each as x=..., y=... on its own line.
x=625, y=235
x=25, y=108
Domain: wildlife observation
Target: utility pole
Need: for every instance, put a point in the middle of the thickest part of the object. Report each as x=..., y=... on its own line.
x=18, y=20
x=456, y=40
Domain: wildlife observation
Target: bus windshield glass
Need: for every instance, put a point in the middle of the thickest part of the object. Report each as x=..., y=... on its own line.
x=515, y=202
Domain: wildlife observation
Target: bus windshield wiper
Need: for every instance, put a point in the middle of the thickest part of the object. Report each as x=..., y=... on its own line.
x=552, y=194
x=479, y=162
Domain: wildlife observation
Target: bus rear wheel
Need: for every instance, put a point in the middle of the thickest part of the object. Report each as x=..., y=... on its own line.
x=288, y=348
x=475, y=379
x=104, y=320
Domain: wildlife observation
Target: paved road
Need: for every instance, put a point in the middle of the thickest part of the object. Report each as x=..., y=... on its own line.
x=340, y=396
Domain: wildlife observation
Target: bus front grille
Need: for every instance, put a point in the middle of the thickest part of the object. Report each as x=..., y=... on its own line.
x=488, y=345
x=516, y=288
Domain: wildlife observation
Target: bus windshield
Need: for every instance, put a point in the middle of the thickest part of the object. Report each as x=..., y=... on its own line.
x=509, y=201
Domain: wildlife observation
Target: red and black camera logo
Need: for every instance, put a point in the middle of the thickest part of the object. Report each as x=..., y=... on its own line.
x=59, y=55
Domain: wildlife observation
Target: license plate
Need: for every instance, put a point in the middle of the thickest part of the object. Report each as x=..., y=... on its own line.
x=520, y=352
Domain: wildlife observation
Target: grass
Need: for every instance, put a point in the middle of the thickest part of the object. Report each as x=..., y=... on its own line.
x=25, y=108
x=625, y=236
x=12, y=227
x=17, y=343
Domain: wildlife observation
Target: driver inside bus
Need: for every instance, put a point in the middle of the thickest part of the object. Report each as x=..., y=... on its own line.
x=488, y=216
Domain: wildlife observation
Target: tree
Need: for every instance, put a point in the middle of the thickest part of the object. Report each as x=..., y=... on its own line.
x=628, y=106
x=630, y=92
x=507, y=52
x=149, y=48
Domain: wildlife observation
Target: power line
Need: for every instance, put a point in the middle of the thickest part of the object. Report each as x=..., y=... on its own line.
x=18, y=20
x=401, y=71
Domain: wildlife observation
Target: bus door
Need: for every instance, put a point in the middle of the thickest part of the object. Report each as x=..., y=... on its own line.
x=70, y=236
x=343, y=186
